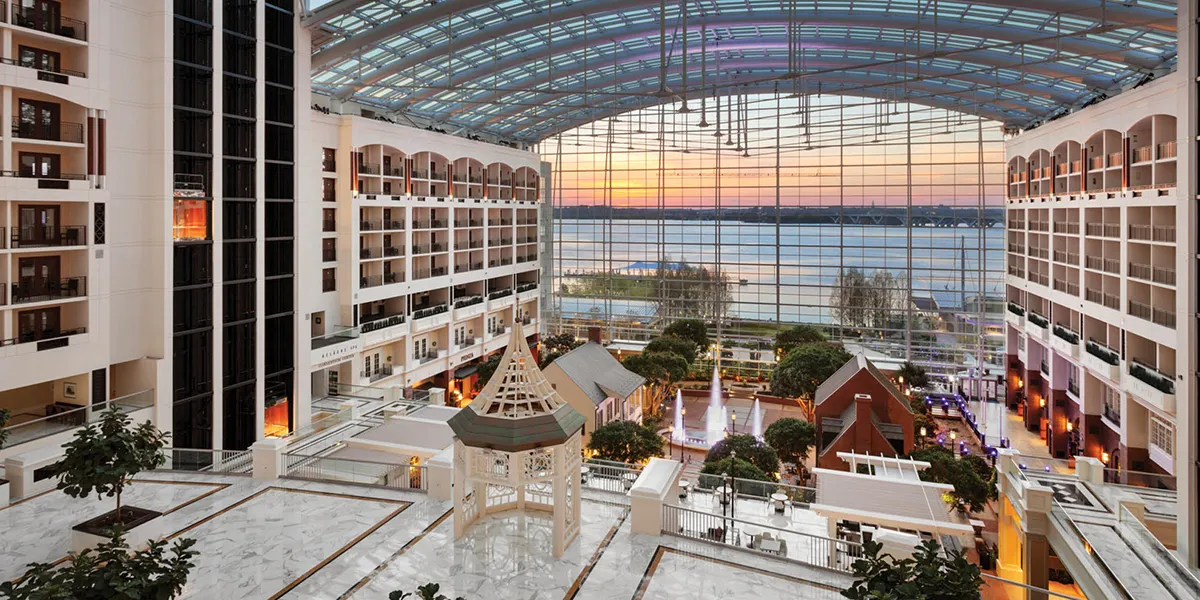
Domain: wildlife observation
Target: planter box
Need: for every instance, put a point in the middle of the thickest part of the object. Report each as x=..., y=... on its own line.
x=1037, y=331
x=1017, y=321
x=1150, y=394
x=1097, y=366
x=1064, y=346
x=145, y=526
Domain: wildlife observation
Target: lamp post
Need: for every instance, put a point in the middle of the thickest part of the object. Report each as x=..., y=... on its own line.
x=670, y=439
x=733, y=416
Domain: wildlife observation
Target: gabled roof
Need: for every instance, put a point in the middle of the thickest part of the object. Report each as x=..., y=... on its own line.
x=598, y=374
x=856, y=363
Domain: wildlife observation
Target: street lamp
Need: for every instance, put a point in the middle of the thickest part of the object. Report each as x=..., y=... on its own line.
x=734, y=417
x=670, y=438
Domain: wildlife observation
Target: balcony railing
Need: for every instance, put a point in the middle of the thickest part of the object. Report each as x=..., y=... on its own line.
x=1095, y=163
x=1151, y=376
x=1039, y=278
x=1159, y=316
x=45, y=236
x=468, y=244
x=429, y=312
x=328, y=165
x=1116, y=159
x=1066, y=286
x=328, y=225
x=1016, y=271
x=61, y=417
x=381, y=372
x=41, y=20
x=496, y=295
x=1016, y=224
x=45, y=73
x=1152, y=233
x=1103, y=352
x=1167, y=150
x=1073, y=387
x=370, y=225
x=1143, y=154
x=394, y=171
x=1145, y=272
x=468, y=301
x=393, y=251
x=380, y=322
x=47, y=339
x=1099, y=263
x=1072, y=228
x=525, y=287
x=370, y=281
x=1042, y=253
x=338, y=335
x=1112, y=230
x=1066, y=334
x=1109, y=300
x=368, y=168
x=1112, y=413
x=1062, y=256
x=41, y=290
x=62, y=131
x=1038, y=319
x=328, y=254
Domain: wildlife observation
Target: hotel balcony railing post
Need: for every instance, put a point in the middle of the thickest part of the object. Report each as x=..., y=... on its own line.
x=34, y=290
x=40, y=20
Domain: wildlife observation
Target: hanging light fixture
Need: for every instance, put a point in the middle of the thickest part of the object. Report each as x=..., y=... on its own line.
x=729, y=121
x=663, y=90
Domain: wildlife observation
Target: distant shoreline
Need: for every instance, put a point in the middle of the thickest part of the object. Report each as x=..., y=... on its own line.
x=886, y=216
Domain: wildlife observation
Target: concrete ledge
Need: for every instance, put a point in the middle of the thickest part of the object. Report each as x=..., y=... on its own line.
x=21, y=471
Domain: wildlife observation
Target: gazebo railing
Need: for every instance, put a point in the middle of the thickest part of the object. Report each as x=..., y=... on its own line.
x=610, y=476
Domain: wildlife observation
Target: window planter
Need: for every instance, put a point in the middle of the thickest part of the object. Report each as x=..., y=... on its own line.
x=141, y=526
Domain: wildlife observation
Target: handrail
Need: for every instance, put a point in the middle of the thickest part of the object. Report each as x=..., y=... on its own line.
x=1181, y=573
x=48, y=425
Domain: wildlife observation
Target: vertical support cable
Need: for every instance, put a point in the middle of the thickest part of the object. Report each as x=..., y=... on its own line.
x=683, y=59
x=703, y=75
x=662, y=47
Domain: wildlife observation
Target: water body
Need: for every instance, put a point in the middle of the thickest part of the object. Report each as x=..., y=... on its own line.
x=790, y=266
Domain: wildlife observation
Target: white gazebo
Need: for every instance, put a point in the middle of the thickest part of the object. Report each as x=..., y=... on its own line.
x=517, y=446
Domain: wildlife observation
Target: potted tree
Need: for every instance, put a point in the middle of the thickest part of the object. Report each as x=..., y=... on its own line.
x=5, y=415
x=102, y=458
x=930, y=574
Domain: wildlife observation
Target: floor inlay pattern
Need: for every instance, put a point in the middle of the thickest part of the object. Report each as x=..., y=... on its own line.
x=268, y=543
x=672, y=574
x=36, y=530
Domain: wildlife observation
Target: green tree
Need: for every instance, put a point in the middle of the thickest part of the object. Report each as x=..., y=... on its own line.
x=971, y=490
x=487, y=367
x=109, y=571
x=625, y=441
x=104, y=456
x=930, y=574
x=690, y=329
x=556, y=346
x=735, y=467
x=913, y=375
x=661, y=370
x=672, y=343
x=5, y=415
x=791, y=439
x=797, y=336
x=804, y=369
x=749, y=449
x=683, y=291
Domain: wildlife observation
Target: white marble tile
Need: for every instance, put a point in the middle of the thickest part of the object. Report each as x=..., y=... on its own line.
x=39, y=529
x=257, y=548
x=684, y=576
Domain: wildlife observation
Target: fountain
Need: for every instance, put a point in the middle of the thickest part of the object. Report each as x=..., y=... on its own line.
x=714, y=419
x=679, y=434
x=756, y=421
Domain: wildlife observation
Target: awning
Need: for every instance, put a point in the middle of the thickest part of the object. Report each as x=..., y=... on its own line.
x=466, y=371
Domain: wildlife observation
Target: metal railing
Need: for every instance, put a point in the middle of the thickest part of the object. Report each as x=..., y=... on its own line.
x=1103, y=352
x=1152, y=376
x=1112, y=413
x=396, y=476
x=1109, y=300
x=343, y=334
x=1066, y=227
x=53, y=70
x=1016, y=224
x=226, y=462
x=1158, y=316
x=1143, y=154
x=1037, y=252
x=1103, y=229
x=1167, y=150
x=1039, y=278
x=39, y=290
x=368, y=168
x=1039, y=225
x=62, y=131
x=59, y=418
x=609, y=476
x=1179, y=579
x=804, y=548
x=383, y=322
x=382, y=372
x=41, y=20
x=1141, y=479
x=44, y=236
x=45, y=337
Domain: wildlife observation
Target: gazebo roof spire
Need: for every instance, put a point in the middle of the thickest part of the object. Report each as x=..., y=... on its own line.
x=517, y=389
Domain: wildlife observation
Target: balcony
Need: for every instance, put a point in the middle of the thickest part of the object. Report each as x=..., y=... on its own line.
x=370, y=281
x=1112, y=414
x=48, y=236
x=46, y=339
x=1152, y=233
x=1145, y=272
x=328, y=254
x=1041, y=253
x=41, y=290
x=329, y=226
x=1039, y=226
x=381, y=372
x=1037, y=326
x=371, y=324
x=1167, y=150
x=468, y=245
x=1070, y=258
x=1068, y=287
x=1103, y=298
x=60, y=417
x=1016, y=271
x=1016, y=248
x=1065, y=341
x=1109, y=230
x=1016, y=224
x=498, y=294
x=1102, y=360
x=1158, y=316
x=45, y=72
x=368, y=253
x=335, y=347
x=1039, y=278
x=1066, y=227
x=392, y=251
x=1151, y=385
x=1108, y=265
x=61, y=131
x=42, y=20
x=466, y=344
x=371, y=225
x=368, y=168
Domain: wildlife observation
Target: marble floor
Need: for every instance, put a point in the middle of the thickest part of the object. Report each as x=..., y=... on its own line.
x=301, y=539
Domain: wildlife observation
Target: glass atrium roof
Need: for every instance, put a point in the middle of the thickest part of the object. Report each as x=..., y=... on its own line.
x=527, y=69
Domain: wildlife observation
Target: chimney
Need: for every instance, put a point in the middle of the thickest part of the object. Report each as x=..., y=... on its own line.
x=593, y=335
x=862, y=423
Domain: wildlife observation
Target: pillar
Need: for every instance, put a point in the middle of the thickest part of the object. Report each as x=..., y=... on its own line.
x=1036, y=564
x=440, y=470
x=267, y=456
x=1089, y=470
x=559, y=485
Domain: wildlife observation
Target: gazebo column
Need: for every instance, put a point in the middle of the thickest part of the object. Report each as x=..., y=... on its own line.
x=460, y=489
x=559, y=488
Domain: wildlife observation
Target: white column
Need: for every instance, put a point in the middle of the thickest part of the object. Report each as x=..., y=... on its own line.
x=440, y=470
x=559, y=487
